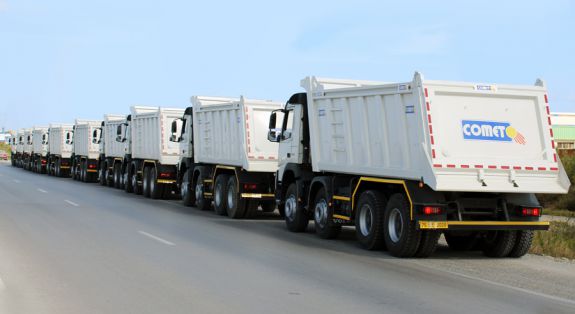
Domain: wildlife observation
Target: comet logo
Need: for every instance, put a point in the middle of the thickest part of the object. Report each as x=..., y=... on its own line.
x=491, y=131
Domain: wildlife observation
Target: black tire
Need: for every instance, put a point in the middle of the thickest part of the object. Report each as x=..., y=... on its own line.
x=499, y=243
x=236, y=206
x=268, y=206
x=188, y=195
x=128, y=187
x=523, y=241
x=466, y=242
x=295, y=217
x=58, y=168
x=369, y=215
x=325, y=227
x=428, y=243
x=84, y=171
x=137, y=188
x=146, y=182
x=117, y=175
x=156, y=189
x=252, y=207
x=401, y=234
x=220, y=194
x=202, y=203
x=102, y=173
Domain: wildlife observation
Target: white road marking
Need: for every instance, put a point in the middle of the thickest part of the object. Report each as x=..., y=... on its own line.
x=16, y=180
x=2, y=285
x=157, y=238
x=71, y=203
x=43, y=191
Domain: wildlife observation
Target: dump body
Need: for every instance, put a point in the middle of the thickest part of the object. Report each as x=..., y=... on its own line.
x=57, y=142
x=150, y=134
x=453, y=136
x=84, y=140
x=20, y=142
x=40, y=141
x=233, y=132
x=27, y=139
x=108, y=145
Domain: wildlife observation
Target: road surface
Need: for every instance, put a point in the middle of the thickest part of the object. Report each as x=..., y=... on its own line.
x=71, y=247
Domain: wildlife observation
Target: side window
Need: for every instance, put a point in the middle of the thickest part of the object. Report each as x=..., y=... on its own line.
x=287, y=125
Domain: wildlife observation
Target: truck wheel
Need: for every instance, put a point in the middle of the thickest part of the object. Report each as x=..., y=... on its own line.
x=102, y=173
x=146, y=182
x=220, y=193
x=117, y=176
x=499, y=243
x=236, y=206
x=369, y=220
x=84, y=171
x=202, y=203
x=401, y=235
x=465, y=242
x=428, y=243
x=156, y=190
x=135, y=186
x=522, y=243
x=296, y=219
x=325, y=227
x=188, y=196
x=58, y=169
x=268, y=206
x=128, y=187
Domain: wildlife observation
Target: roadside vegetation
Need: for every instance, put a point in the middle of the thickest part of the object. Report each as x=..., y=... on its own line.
x=559, y=241
x=562, y=205
x=5, y=147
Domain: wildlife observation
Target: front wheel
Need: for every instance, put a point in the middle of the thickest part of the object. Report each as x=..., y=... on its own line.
x=135, y=186
x=369, y=220
x=401, y=235
x=202, y=203
x=188, y=196
x=128, y=187
x=296, y=219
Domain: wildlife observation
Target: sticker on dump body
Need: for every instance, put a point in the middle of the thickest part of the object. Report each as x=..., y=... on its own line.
x=491, y=131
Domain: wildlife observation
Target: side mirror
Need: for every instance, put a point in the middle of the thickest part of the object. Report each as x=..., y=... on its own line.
x=176, y=130
x=44, y=139
x=273, y=132
x=96, y=135
x=69, y=140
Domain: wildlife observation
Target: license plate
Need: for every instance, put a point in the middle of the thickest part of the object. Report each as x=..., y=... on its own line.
x=433, y=225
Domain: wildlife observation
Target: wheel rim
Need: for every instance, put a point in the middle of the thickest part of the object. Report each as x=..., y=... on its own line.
x=320, y=213
x=231, y=192
x=395, y=225
x=290, y=208
x=365, y=220
x=218, y=196
x=134, y=181
x=184, y=189
x=199, y=191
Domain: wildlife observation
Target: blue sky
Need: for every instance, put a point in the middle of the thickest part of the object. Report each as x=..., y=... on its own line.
x=61, y=60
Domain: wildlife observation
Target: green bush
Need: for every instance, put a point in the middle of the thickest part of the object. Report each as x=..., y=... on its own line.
x=562, y=201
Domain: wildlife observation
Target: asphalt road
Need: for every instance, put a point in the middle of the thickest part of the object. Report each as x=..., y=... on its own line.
x=70, y=247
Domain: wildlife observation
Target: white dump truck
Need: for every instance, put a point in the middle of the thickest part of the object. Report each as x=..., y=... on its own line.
x=86, y=150
x=405, y=162
x=60, y=146
x=27, y=146
x=225, y=156
x=19, y=148
x=13, y=149
x=111, y=151
x=39, y=149
x=150, y=162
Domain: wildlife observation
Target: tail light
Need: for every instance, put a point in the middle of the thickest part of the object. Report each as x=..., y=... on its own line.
x=92, y=166
x=165, y=174
x=43, y=161
x=431, y=210
x=250, y=186
x=530, y=211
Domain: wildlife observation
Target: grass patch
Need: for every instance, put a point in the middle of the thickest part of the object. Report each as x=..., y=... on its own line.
x=558, y=241
x=558, y=212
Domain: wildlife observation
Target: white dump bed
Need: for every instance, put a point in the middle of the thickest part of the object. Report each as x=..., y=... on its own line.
x=454, y=136
x=20, y=141
x=151, y=130
x=27, y=139
x=109, y=146
x=84, y=138
x=57, y=142
x=40, y=140
x=234, y=132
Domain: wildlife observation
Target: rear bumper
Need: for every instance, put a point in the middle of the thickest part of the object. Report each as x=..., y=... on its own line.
x=483, y=225
x=263, y=196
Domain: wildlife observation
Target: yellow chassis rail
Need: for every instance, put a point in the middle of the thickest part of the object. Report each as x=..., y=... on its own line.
x=483, y=225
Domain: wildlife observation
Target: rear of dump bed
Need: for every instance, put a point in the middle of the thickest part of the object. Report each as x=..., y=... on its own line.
x=452, y=136
x=112, y=148
x=84, y=144
x=233, y=132
x=57, y=142
x=40, y=140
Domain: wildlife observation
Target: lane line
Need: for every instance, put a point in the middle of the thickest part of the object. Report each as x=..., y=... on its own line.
x=156, y=238
x=43, y=191
x=527, y=291
x=2, y=285
x=16, y=180
x=71, y=203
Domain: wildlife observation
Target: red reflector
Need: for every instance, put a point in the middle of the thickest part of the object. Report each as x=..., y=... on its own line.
x=43, y=162
x=431, y=210
x=164, y=174
x=250, y=186
x=91, y=166
x=535, y=212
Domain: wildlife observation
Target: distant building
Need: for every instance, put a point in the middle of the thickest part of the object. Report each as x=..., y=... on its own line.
x=4, y=137
x=564, y=130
